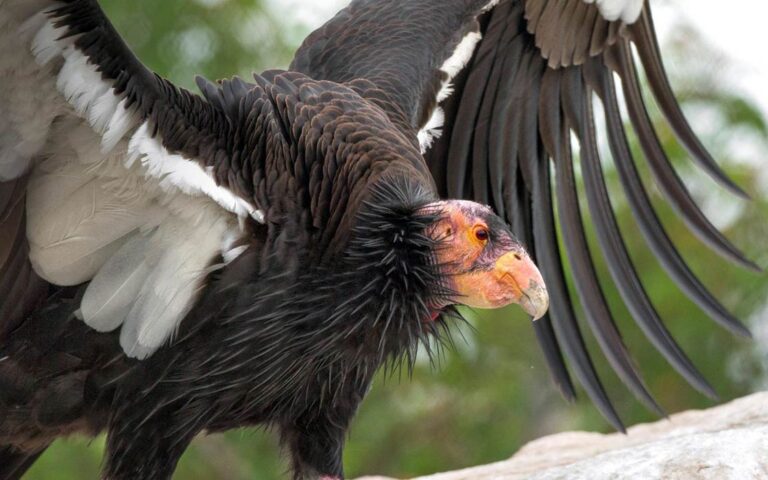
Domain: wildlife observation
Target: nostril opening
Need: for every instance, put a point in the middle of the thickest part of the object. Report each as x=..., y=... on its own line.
x=517, y=256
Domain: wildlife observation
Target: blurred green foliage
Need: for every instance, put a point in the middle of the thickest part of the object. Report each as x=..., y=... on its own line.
x=492, y=392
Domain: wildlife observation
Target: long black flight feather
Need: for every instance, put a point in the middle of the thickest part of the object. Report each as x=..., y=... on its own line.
x=459, y=159
x=585, y=277
x=556, y=139
x=523, y=225
x=561, y=309
x=619, y=262
x=649, y=223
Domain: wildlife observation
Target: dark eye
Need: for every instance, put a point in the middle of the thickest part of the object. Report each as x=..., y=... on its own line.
x=481, y=233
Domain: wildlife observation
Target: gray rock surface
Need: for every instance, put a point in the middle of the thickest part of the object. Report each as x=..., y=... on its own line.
x=725, y=442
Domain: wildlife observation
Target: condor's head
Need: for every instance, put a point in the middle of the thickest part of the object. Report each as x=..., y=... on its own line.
x=426, y=255
x=484, y=264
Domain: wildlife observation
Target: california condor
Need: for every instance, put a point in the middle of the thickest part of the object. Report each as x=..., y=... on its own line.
x=173, y=263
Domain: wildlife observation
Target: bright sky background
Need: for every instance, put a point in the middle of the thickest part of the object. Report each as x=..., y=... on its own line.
x=736, y=27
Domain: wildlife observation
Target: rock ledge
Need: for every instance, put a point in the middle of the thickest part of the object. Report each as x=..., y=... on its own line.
x=725, y=442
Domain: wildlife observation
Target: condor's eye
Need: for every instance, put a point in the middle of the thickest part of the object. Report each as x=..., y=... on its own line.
x=481, y=233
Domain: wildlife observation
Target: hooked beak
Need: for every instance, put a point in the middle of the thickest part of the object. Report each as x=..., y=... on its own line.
x=513, y=279
x=518, y=273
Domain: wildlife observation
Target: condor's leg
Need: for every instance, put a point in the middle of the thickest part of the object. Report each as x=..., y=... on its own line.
x=316, y=446
x=147, y=444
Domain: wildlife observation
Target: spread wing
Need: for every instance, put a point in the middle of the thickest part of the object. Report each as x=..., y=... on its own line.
x=495, y=91
x=109, y=174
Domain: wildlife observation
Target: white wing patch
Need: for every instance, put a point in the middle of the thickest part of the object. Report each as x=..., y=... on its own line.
x=107, y=203
x=461, y=56
x=151, y=283
x=628, y=11
x=490, y=5
x=114, y=289
x=75, y=221
x=93, y=99
x=432, y=130
x=175, y=171
x=176, y=272
x=120, y=121
x=146, y=251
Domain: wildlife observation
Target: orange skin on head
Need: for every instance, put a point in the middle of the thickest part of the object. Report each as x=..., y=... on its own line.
x=487, y=267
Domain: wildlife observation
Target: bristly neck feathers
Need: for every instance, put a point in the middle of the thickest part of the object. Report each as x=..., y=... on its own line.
x=379, y=297
x=391, y=252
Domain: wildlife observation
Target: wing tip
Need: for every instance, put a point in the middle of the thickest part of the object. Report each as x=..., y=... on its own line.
x=739, y=329
x=751, y=266
x=735, y=189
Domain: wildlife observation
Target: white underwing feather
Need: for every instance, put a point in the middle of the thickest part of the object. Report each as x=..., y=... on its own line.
x=175, y=171
x=490, y=5
x=107, y=202
x=73, y=221
x=79, y=81
x=103, y=110
x=445, y=92
x=454, y=64
x=628, y=11
x=45, y=46
x=461, y=55
x=231, y=254
x=69, y=244
x=122, y=121
x=432, y=130
x=112, y=292
x=169, y=292
x=232, y=246
x=85, y=209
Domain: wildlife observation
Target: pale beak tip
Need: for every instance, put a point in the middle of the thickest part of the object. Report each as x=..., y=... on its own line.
x=535, y=300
